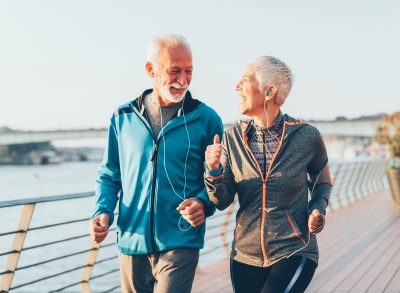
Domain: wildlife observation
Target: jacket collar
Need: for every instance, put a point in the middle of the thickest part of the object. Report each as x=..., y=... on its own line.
x=188, y=105
x=290, y=125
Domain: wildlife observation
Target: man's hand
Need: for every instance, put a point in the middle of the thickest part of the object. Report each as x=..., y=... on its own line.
x=98, y=227
x=213, y=154
x=316, y=222
x=192, y=210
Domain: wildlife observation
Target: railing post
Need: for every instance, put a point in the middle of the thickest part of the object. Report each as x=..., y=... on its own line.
x=347, y=180
x=366, y=178
x=87, y=271
x=352, y=181
x=358, y=186
x=374, y=177
x=17, y=245
x=224, y=228
x=338, y=185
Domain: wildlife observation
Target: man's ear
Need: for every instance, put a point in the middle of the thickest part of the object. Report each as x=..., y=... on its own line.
x=150, y=69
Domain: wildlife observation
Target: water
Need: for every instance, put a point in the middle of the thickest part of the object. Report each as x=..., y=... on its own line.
x=18, y=182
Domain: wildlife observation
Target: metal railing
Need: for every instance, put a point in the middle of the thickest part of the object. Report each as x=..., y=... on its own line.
x=18, y=247
x=352, y=181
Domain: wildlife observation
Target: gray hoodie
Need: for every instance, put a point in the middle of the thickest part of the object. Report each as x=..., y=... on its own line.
x=272, y=220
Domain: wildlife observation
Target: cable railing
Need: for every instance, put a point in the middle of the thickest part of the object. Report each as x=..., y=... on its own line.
x=352, y=181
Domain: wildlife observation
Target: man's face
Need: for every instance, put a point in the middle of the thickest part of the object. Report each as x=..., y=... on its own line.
x=173, y=73
x=248, y=89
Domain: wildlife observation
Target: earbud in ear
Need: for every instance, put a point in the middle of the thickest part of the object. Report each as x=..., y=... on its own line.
x=267, y=93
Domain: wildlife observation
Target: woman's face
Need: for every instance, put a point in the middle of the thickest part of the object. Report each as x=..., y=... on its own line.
x=248, y=89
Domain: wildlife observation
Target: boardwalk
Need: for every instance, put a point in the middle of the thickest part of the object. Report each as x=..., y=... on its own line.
x=359, y=252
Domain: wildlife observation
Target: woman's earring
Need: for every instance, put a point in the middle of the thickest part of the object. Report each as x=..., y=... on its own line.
x=267, y=93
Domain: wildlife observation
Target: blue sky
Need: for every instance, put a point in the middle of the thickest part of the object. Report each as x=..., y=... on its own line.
x=69, y=64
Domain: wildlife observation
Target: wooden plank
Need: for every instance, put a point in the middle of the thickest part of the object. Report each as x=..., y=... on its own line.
x=383, y=214
x=370, y=260
x=17, y=245
x=213, y=278
x=394, y=283
x=384, y=255
x=87, y=271
x=347, y=262
x=341, y=243
x=387, y=274
x=355, y=271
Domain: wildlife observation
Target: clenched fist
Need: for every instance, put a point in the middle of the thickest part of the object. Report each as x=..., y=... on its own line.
x=213, y=154
x=316, y=222
x=192, y=210
x=98, y=227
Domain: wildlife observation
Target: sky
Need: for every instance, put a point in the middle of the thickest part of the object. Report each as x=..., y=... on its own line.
x=70, y=64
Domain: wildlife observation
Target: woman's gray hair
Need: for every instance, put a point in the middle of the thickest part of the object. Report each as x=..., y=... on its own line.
x=272, y=71
x=162, y=41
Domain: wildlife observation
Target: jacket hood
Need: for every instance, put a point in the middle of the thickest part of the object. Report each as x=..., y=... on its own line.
x=290, y=125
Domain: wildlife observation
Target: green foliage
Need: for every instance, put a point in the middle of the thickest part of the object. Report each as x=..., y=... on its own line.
x=388, y=133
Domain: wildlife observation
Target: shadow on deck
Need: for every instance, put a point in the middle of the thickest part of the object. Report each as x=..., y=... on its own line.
x=359, y=251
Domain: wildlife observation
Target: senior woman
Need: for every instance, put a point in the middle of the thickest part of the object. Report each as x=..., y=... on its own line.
x=272, y=162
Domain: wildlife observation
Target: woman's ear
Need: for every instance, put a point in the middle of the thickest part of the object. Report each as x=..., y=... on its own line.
x=270, y=92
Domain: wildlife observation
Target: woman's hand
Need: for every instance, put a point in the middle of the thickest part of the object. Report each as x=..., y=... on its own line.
x=316, y=222
x=213, y=154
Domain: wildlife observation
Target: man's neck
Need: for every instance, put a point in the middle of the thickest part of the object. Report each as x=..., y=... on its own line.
x=156, y=97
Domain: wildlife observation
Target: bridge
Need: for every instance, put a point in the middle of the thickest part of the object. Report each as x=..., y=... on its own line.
x=26, y=137
x=342, y=128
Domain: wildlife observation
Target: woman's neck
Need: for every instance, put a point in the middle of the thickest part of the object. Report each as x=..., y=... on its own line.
x=265, y=120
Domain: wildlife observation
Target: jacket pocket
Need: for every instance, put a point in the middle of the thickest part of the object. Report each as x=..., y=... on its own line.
x=296, y=229
x=238, y=224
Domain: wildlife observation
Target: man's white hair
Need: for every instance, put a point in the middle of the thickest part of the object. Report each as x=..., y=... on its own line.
x=272, y=71
x=162, y=41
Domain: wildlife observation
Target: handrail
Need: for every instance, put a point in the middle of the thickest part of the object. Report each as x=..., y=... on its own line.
x=35, y=200
x=352, y=182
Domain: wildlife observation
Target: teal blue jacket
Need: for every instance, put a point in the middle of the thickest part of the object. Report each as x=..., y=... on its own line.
x=133, y=174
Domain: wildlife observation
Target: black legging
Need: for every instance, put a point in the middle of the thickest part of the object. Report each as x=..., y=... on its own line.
x=291, y=274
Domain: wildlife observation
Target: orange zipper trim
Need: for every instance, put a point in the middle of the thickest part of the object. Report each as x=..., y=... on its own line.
x=263, y=201
x=295, y=230
x=237, y=224
x=264, y=191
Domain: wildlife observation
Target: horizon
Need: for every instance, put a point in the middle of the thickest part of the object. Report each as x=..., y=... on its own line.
x=377, y=116
x=66, y=65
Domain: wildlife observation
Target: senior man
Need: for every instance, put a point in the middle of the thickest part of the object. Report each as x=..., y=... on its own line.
x=153, y=168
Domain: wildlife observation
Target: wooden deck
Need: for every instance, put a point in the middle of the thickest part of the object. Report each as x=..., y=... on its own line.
x=359, y=252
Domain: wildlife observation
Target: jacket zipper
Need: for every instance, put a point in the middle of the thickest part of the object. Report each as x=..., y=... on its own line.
x=265, y=154
x=153, y=193
x=264, y=190
x=263, y=204
x=154, y=158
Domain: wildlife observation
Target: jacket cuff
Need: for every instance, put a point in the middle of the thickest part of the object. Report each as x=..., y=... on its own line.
x=110, y=215
x=209, y=208
x=212, y=173
x=320, y=205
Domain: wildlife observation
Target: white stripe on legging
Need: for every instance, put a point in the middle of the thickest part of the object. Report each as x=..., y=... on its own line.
x=296, y=275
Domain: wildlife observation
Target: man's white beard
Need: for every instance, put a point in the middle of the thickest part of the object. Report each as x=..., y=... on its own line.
x=166, y=94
